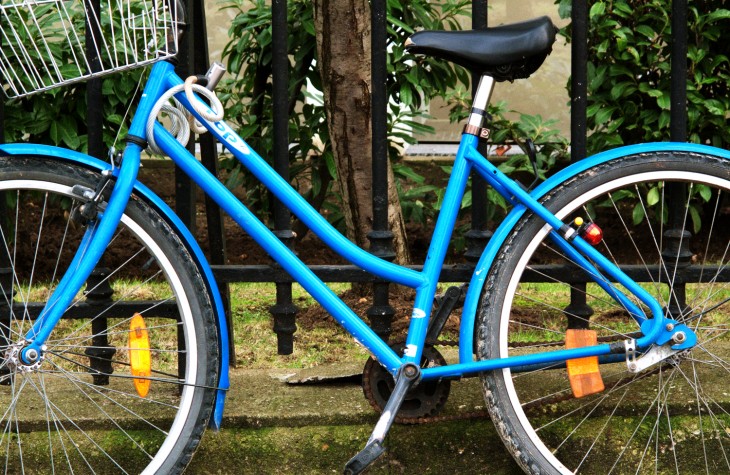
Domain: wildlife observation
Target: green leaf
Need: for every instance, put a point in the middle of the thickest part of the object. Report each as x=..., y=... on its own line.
x=720, y=14
x=653, y=196
x=705, y=192
x=645, y=30
x=696, y=219
x=565, y=8
x=665, y=118
x=638, y=214
x=664, y=101
x=55, y=133
x=597, y=9
x=408, y=173
x=406, y=96
x=603, y=115
x=715, y=107
x=329, y=161
x=622, y=89
x=466, y=200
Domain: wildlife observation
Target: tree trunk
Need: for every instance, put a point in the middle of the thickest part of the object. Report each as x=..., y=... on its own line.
x=343, y=51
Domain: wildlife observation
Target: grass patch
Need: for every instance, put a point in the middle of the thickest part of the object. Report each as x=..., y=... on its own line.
x=537, y=317
x=255, y=340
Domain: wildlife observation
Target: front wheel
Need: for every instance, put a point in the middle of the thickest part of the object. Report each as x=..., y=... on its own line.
x=666, y=221
x=127, y=380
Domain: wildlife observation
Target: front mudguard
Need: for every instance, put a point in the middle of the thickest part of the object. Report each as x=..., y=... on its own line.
x=476, y=284
x=186, y=236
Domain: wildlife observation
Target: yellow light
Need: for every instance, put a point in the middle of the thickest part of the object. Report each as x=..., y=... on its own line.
x=140, y=359
x=578, y=221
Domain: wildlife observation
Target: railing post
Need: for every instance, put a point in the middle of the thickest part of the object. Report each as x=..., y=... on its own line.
x=185, y=187
x=678, y=125
x=676, y=253
x=578, y=311
x=100, y=352
x=209, y=158
x=381, y=313
x=578, y=80
x=94, y=108
x=478, y=235
x=284, y=311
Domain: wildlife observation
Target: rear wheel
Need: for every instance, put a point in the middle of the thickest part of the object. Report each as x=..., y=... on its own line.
x=127, y=381
x=670, y=418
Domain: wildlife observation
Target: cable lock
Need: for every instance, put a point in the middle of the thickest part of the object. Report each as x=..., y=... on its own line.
x=181, y=120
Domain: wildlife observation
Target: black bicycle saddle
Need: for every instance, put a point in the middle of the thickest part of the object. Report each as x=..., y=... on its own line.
x=504, y=52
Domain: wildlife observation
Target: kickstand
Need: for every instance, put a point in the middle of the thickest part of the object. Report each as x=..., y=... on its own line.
x=407, y=375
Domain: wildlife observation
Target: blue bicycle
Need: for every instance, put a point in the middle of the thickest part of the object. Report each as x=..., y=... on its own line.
x=114, y=343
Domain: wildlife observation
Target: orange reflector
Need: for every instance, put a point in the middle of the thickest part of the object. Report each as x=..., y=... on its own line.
x=139, y=354
x=585, y=378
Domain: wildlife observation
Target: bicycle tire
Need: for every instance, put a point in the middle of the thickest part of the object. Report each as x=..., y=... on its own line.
x=670, y=417
x=80, y=410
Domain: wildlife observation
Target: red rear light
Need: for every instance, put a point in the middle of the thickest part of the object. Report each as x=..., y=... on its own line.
x=592, y=234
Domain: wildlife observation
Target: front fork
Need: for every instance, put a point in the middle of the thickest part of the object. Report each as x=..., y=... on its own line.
x=102, y=224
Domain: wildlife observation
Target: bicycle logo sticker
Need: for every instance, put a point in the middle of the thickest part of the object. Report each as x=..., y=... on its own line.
x=229, y=136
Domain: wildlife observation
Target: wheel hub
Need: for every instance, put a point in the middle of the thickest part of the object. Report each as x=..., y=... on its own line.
x=14, y=362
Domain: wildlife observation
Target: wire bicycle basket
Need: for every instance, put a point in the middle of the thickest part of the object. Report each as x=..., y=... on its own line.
x=50, y=43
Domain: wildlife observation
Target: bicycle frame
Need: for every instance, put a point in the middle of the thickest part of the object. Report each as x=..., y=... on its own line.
x=424, y=282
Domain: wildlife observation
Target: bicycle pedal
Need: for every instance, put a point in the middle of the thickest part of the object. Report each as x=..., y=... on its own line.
x=583, y=373
x=364, y=458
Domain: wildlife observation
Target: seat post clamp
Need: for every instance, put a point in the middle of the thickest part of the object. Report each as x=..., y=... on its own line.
x=481, y=132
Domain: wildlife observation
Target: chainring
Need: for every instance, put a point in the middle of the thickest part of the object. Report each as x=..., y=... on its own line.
x=422, y=401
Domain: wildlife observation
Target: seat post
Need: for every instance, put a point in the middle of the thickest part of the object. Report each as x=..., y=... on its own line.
x=479, y=105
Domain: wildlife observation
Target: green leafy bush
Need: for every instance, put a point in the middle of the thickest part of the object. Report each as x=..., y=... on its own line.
x=629, y=82
x=58, y=116
x=629, y=71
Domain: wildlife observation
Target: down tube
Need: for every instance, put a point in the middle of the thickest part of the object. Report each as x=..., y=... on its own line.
x=276, y=249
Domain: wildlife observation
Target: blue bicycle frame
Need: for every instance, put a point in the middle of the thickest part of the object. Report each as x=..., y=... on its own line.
x=468, y=159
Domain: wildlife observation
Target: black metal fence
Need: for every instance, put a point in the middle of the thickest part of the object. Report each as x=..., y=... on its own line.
x=194, y=59
x=381, y=313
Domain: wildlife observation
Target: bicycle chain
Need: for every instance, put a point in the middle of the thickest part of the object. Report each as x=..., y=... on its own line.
x=485, y=413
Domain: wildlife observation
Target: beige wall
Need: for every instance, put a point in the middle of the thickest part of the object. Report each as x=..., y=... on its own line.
x=544, y=93
x=218, y=22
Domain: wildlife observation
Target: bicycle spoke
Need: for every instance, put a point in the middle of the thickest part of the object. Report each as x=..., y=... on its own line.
x=80, y=408
x=672, y=417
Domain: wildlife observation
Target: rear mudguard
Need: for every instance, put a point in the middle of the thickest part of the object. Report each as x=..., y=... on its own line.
x=468, y=319
x=186, y=236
